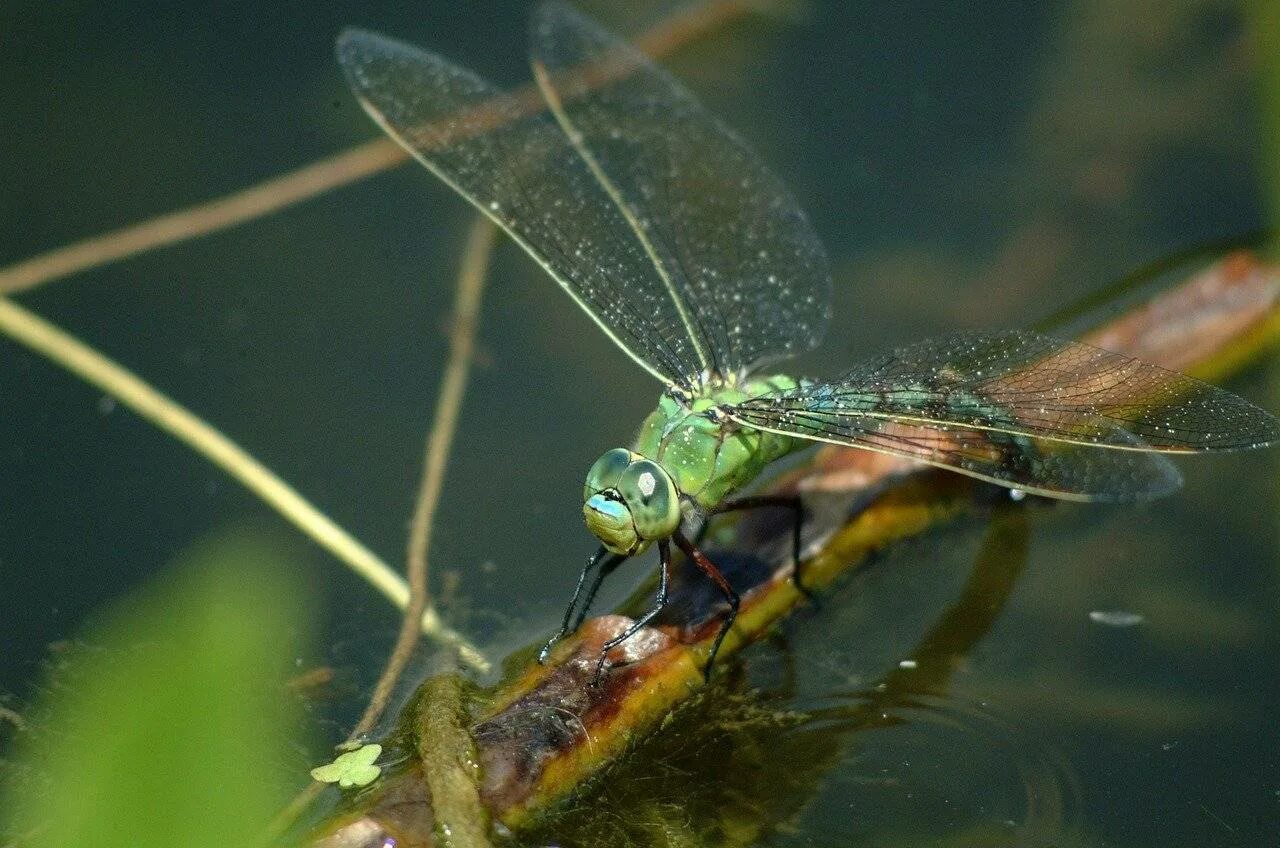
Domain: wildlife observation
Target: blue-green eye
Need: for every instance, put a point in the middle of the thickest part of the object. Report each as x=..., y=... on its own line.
x=651, y=496
x=610, y=521
x=605, y=472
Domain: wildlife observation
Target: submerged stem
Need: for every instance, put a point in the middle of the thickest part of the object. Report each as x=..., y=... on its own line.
x=450, y=765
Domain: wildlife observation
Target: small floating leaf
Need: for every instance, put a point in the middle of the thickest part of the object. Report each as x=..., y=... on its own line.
x=354, y=768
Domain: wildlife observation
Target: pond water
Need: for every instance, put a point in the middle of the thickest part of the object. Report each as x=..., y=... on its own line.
x=966, y=168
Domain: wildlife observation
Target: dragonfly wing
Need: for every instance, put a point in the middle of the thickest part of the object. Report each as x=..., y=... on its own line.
x=1050, y=416
x=506, y=155
x=1053, y=469
x=742, y=268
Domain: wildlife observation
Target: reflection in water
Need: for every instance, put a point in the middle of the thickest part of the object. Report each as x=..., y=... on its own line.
x=946, y=768
x=1015, y=787
x=741, y=763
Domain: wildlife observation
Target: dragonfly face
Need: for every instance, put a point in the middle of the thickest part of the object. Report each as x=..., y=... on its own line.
x=629, y=502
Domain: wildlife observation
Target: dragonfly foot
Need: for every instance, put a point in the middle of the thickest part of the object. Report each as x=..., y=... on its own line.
x=803, y=588
x=595, y=678
x=546, y=649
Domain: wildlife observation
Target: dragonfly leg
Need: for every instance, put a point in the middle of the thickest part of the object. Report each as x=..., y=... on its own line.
x=664, y=577
x=708, y=568
x=605, y=570
x=791, y=502
x=570, y=623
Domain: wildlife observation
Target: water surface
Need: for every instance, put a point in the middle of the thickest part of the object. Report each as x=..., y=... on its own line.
x=966, y=168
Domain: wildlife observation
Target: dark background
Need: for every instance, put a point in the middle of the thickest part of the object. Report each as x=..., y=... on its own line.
x=967, y=166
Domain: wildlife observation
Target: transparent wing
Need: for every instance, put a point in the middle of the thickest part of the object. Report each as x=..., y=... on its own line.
x=1049, y=416
x=1053, y=469
x=747, y=275
x=507, y=156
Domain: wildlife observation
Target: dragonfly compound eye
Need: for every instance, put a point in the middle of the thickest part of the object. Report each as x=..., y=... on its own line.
x=606, y=471
x=610, y=520
x=651, y=495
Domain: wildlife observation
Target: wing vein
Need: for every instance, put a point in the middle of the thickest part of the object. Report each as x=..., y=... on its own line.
x=574, y=136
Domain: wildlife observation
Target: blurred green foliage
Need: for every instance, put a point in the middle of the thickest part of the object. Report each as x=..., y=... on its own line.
x=1264, y=26
x=166, y=723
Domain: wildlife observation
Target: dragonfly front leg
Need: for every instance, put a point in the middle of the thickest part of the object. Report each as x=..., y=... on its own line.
x=791, y=502
x=606, y=569
x=708, y=568
x=664, y=579
x=570, y=623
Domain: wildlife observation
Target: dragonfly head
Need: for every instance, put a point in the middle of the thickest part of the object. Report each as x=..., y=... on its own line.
x=629, y=502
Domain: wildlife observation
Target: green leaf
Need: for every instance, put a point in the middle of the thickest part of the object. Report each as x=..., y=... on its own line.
x=354, y=768
x=168, y=724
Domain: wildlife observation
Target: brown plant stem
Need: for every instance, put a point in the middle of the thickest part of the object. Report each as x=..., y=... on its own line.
x=323, y=175
x=466, y=310
x=463, y=322
x=203, y=219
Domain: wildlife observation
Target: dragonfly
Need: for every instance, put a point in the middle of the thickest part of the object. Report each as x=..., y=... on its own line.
x=697, y=261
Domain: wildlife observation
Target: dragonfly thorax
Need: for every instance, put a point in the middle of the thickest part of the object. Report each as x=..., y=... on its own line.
x=707, y=454
x=629, y=502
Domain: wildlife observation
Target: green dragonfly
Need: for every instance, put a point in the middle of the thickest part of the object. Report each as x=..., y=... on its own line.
x=680, y=244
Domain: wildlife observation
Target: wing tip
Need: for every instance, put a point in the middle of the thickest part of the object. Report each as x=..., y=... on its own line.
x=1259, y=427
x=355, y=46
x=1270, y=429
x=348, y=37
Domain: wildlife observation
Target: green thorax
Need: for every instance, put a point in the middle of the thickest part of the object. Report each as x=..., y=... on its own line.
x=708, y=456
